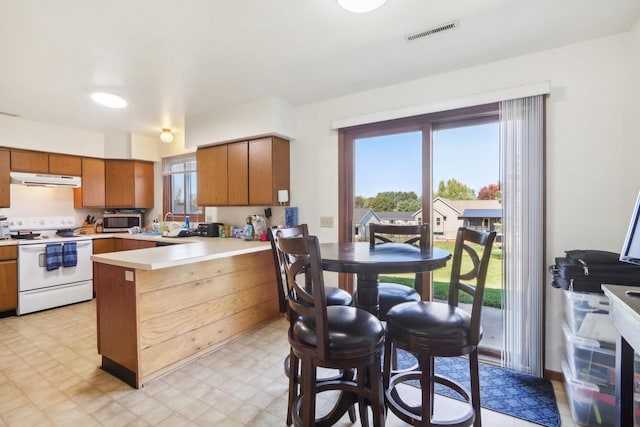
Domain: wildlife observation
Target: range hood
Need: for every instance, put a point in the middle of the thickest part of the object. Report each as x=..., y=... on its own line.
x=45, y=180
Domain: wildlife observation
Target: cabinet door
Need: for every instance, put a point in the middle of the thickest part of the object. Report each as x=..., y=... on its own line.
x=29, y=161
x=212, y=176
x=128, y=184
x=268, y=170
x=238, y=173
x=92, y=193
x=8, y=285
x=260, y=179
x=128, y=244
x=102, y=246
x=280, y=167
x=118, y=245
x=143, y=182
x=5, y=161
x=8, y=278
x=62, y=164
x=119, y=184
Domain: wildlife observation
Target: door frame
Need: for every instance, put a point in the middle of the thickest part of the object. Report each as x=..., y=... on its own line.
x=425, y=123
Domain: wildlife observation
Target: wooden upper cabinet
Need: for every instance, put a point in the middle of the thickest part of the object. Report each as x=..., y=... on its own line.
x=5, y=180
x=63, y=164
x=29, y=161
x=212, y=176
x=128, y=184
x=92, y=192
x=238, y=173
x=243, y=173
x=268, y=170
x=41, y=162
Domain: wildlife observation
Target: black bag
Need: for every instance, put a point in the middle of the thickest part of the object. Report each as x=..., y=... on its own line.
x=587, y=270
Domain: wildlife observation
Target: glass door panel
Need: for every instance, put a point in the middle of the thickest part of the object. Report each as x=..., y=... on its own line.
x=466, y=176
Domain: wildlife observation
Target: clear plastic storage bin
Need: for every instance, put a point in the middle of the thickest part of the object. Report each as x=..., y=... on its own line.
x=590, y=404
x=591, y=362
x=588, y=316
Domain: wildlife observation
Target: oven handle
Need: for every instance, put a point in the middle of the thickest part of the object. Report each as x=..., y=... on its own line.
x=41, y=249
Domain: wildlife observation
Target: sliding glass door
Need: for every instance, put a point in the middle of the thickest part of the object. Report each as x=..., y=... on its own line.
x=426, y=169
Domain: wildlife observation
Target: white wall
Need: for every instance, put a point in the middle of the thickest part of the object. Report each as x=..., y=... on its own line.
x=592, y=178
x=16, y=132
x=27, y=201
x=266, y=116
x=31, y=135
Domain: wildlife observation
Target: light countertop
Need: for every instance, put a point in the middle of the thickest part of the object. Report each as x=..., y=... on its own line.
x=188, y=250
x=181, y=251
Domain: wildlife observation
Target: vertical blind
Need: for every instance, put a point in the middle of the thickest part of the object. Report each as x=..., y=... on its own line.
x=522, y=157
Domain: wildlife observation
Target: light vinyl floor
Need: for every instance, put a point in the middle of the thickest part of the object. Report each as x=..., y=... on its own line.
x=50, y=376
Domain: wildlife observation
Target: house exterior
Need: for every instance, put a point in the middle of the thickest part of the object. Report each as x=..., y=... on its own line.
x=397, y=217
x=449, y=215
x=362, y=217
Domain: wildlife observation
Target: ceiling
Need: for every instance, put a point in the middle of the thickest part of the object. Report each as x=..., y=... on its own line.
x=172, y=59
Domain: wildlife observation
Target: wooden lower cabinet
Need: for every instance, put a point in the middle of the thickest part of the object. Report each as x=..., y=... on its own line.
x=8, y=278
x=103, y=246
x=153, y=321
x=131, y=244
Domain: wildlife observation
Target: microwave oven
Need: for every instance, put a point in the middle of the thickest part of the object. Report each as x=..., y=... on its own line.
x=120, y=222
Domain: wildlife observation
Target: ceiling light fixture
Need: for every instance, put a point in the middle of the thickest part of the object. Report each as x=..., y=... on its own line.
x=108, y=100
x=166, y=136
x=361, y=6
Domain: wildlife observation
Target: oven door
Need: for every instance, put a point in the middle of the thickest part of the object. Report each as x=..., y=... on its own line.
x=32, y=270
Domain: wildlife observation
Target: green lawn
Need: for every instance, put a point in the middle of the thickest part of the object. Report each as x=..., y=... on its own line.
x=493, y=288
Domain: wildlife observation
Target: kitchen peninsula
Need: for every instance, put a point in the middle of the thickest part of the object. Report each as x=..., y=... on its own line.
x=159, y=308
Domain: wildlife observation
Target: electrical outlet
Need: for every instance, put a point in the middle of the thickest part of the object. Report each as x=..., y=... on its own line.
x=208, y=218
x=326, y=221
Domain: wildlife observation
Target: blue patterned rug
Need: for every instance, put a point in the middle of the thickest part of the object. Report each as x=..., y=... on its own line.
x=501, y=390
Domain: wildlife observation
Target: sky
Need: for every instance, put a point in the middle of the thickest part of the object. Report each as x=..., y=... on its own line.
x=393, y=163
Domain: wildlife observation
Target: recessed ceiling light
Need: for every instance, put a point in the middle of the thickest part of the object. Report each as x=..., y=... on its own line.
x=108, y=100
x=361, y=6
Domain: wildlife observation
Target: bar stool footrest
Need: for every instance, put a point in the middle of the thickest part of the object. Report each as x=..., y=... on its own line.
x=412, y=414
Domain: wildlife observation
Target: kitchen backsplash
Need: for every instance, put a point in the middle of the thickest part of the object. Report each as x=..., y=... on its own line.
x=45, y=201
x=237, y=215
x=58, y=201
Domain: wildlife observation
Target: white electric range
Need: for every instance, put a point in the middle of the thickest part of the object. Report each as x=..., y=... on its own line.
x=40, y=284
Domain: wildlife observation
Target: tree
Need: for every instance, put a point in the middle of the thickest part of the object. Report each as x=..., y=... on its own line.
x=381, y=203
x=409, y=206
x=454, y=190
x=391, y=201
x=490, y=192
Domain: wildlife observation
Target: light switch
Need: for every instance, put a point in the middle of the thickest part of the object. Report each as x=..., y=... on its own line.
x=326, y=221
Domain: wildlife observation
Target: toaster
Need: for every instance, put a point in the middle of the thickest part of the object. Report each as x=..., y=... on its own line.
x=208, y=229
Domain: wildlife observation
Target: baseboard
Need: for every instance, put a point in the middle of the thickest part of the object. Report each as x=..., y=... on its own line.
x=553, y=375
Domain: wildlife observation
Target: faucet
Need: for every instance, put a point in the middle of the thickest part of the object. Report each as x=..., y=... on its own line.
x=166, y=215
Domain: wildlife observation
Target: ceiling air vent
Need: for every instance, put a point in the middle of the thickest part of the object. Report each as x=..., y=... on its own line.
x=450, y=26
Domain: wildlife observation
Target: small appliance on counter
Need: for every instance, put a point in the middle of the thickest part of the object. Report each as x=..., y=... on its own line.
x=209, y=229
x=120, y=222
x=4, y=228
